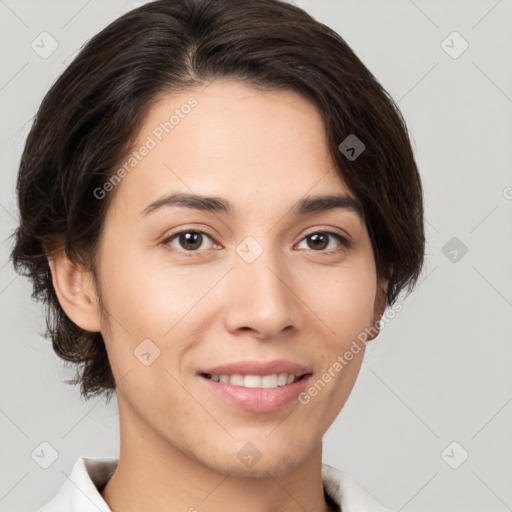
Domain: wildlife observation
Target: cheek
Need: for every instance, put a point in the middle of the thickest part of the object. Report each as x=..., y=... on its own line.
x=346, y=306
x=145, y=297
x=344, y=299
x=355, y=309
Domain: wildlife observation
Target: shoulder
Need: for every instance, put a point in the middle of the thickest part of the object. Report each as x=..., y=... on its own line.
x=80, y=491
x=347, y=493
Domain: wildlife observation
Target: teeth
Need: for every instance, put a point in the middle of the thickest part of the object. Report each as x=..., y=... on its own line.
x=282, y=379
x=269, y=381
x=256, y=381
x=236, y=379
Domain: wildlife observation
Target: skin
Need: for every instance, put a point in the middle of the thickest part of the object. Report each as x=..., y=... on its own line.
x=262, y=151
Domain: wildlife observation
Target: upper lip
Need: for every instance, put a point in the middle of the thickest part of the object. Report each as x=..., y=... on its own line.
x=258, y=368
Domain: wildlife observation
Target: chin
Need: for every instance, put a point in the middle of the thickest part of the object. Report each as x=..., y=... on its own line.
x=271, y=465
x=273, y=468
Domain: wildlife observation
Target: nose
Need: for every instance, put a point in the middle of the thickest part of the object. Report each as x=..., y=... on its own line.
x=262, y=295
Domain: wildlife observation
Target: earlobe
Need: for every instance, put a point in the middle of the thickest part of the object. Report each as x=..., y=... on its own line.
x=75, y=290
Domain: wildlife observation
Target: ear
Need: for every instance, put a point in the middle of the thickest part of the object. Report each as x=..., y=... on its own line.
x=75, y=290
x=378, y=308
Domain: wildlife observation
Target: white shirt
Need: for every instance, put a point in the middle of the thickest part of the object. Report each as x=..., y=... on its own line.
x=81, y=491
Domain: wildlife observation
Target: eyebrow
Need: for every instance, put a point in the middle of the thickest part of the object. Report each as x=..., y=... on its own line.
x=214, y=204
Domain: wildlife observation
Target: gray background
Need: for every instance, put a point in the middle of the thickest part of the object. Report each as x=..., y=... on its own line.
x=438, y=373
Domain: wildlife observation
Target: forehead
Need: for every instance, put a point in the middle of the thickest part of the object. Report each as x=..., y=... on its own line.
x=229, y=139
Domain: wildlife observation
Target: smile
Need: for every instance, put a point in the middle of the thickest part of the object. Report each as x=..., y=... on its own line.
x=256, y=393
x=270, y=381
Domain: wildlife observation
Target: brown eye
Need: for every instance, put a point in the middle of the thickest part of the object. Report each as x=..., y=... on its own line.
x=320, y=240
x=189, y=240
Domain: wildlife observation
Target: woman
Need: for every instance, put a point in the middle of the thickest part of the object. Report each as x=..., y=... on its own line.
x=218, y=201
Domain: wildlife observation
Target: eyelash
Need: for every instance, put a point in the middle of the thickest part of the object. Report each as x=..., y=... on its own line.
x=344, y=241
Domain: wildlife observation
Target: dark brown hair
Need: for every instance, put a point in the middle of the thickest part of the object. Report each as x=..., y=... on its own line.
x=89, y=118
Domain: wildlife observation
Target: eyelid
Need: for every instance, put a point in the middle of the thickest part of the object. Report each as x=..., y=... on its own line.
x=328, y=230
x=343, y=239
x=168, y=238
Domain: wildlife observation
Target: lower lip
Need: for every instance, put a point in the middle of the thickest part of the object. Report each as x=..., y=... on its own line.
x=258, y=399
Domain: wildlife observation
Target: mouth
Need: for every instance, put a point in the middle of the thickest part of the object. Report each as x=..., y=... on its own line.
x=256, y=386
x=270, y=381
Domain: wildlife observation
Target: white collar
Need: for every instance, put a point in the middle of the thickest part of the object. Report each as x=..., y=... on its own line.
x=79, y=493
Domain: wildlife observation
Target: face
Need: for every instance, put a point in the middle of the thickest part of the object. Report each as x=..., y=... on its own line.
x=245, y=287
